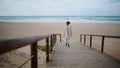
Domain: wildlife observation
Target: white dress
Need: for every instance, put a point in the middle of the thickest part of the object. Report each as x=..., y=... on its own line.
x=68, y=33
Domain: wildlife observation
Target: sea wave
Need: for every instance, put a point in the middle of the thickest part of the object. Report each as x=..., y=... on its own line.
x=60, y=18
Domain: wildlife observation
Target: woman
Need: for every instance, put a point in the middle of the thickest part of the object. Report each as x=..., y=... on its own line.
x=68, y=33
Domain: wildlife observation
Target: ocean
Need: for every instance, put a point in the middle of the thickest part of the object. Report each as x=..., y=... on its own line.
x=82, y=19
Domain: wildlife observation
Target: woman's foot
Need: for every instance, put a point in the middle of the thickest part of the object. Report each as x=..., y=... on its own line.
x=68, y=45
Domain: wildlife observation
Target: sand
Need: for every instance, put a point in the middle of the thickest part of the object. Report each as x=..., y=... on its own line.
x=13, y=30
x=16, y=30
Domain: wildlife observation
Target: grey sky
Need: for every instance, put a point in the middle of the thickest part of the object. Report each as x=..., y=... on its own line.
x=59, y=7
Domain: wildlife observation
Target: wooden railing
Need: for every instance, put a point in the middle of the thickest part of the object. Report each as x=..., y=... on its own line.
x=12, y=44
x=103, y=38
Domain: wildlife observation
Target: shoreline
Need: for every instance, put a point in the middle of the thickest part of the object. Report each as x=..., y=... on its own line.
x=84, y=22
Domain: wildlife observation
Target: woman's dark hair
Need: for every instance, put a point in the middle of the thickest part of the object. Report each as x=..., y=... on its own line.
x=67, y=22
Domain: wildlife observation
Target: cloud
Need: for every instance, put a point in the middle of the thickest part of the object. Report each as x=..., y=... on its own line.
x=7, y=2
x=114, y=5
x=59, y=7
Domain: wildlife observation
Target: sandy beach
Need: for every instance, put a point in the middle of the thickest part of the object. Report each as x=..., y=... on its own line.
x=13, y=30
x=16, y=30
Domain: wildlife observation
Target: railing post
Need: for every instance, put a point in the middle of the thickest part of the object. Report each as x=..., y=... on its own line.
x=34, y=61
x=55, y=38
x=90, y=40
x=51, y=42
x=102, y=46
x=60, y=37
x=84, y=39
x=80, y=37
x=47, y=49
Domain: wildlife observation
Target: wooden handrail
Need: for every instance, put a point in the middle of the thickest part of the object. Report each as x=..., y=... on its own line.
x=103, y=38
x=110, y=36
x=12, y=44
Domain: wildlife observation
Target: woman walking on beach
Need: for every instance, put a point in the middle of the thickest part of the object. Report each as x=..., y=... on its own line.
x=68, y=33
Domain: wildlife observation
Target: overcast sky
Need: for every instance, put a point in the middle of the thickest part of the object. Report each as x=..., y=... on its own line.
x=59, y=7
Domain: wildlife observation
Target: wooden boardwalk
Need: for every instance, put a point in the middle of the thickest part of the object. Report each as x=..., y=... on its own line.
x=79, y=56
